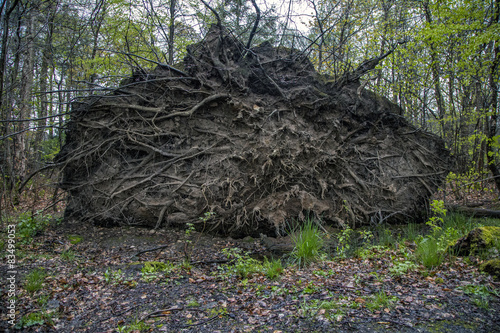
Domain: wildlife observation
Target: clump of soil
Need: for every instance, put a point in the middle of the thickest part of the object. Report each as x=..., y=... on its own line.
x=255, y=136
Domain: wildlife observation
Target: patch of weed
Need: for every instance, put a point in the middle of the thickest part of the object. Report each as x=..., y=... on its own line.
x=68, y=255
x=34, y=280
x=135, y=326
x=272, y=268
x=308, y=242
x=380, y=300
x=244, y=266
x=480, y=294
x=402, y=267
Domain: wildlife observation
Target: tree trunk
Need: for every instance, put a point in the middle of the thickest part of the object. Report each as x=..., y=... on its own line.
x=171, y=33
x=44, y=77
x=493, y=78
x=25, y=95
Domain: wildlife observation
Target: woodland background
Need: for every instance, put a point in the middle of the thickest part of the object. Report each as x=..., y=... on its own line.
x=444, y=71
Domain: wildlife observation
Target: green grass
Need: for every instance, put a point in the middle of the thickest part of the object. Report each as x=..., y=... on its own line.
x=68, y=255
x=272, y=268
x=34, y=280
x=380, y=300
x=428, y=253
x=308, y=242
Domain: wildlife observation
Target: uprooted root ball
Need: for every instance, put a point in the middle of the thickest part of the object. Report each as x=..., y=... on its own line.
x=256, y=136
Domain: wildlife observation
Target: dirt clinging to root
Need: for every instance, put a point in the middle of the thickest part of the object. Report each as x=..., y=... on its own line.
x=257, y=137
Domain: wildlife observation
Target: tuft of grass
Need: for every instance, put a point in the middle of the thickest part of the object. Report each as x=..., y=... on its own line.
x=68, y=255
x=412, y=232
x=428, y=252
x=308, y=242
x=34, y=280
x=272, y=268
x=380, y=300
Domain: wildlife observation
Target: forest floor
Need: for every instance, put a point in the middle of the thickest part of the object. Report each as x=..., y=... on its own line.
x=80, y=278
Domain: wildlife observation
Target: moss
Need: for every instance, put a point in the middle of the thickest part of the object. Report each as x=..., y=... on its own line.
x=450, y=326
x=492, y=267
x=478, y=240
x=75, y=239
x=156, y=266
x=490, y=236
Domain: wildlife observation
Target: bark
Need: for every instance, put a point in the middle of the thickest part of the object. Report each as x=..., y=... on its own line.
x=44, y=78
x=171, y=33
x=25, y=96
x=493, y=81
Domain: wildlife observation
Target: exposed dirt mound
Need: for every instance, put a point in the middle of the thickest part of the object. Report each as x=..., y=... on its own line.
x=256, y=136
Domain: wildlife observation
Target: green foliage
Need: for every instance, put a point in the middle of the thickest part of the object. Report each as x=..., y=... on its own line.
x=34, y=280
x=33, y=319
x=480, y=294
x=49, y=149
x=402, y=267
x=75, y=239
x=272, y=268
x=114, y=277
x=385, y=237
x=30, y=225
x=428, y=252
x=412, y=232
x=308, y=242
x=380, y=300
x=244, y=266
x=68, y=255
x=135, y=326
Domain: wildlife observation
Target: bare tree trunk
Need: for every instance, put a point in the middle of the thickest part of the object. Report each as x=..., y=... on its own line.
x=493, y=77
x=44, y=77
x=171, y=33
x=25, y=95
x=435, y=74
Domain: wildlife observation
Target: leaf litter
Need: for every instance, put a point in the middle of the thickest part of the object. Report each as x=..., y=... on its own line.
x=104, y=288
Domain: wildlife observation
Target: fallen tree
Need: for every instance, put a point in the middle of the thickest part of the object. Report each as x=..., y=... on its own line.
x=255, y=136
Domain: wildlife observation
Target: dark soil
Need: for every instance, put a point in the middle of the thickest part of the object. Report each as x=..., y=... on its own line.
x=206, y=298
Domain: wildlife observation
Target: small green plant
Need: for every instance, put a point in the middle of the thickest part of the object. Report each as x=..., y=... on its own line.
x=114, y=277
x=188, y=242
x=68, y=255
x=244, y=266
x=135, y=326
x=385, y=237
x=219, y=312
x=193, y=304
x=430, y=248
x=75, y=239
x=34, y=280
x=272, y=268
x=480, y=294
x=30, y=225
x=374, y=251
x=32, y=319
x=428, y=252
x=412, y=232
x=402, y=267
x=380, y=300
x=343, y=242
x=308, y=242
